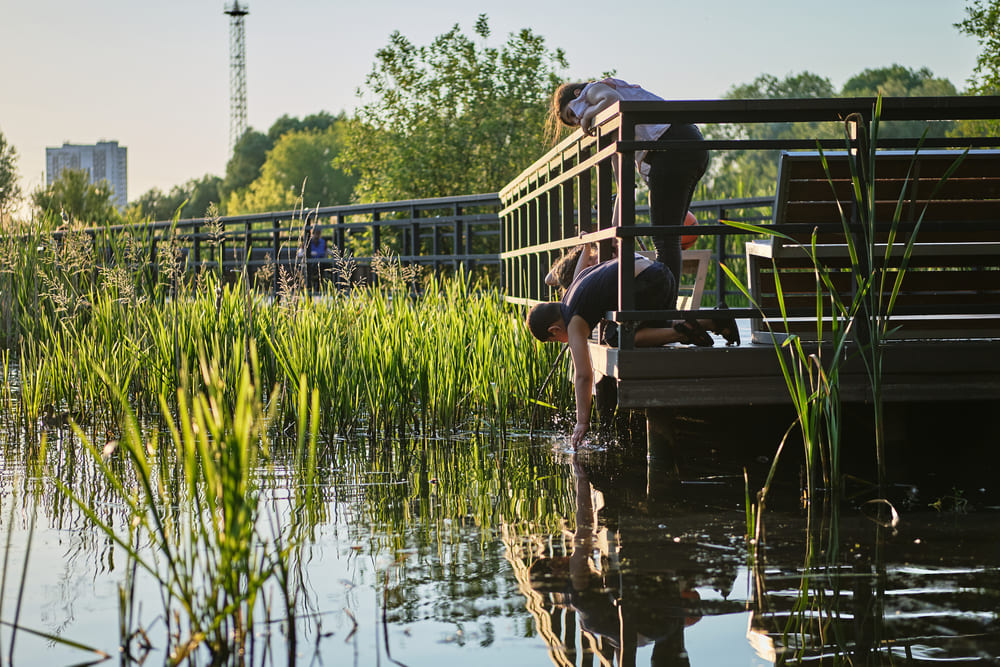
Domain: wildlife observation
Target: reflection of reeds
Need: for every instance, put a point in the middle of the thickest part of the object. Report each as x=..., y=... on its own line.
x=204, y=541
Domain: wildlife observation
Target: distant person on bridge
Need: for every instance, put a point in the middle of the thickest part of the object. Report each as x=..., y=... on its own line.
x=592, y=293
x=672, y=175
x=317, y=244
x=313, y=248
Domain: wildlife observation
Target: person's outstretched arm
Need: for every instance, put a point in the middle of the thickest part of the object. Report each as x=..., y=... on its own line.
x=599, y=96
x=583, y=372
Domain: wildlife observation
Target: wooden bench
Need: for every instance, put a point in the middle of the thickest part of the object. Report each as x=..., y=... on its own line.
x=951, y=288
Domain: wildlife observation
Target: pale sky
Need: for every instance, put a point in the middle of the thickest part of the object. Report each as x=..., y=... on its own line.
x=155, y=76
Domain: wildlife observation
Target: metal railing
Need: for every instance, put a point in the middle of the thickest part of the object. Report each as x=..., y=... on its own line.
x=567, y=197
x=442, y=234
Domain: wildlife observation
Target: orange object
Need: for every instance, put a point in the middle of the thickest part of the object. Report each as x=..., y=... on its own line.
x=689, y=240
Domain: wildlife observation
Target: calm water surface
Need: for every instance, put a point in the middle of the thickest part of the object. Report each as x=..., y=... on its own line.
x=467, y=552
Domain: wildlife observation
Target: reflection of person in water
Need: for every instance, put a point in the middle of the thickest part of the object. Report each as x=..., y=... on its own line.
x=624, y=609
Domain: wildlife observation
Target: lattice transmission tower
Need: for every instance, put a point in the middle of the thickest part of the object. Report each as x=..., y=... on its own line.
x=237, y=72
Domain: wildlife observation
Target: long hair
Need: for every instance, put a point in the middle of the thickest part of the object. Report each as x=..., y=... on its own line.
x=562, y=96
x=565, y=267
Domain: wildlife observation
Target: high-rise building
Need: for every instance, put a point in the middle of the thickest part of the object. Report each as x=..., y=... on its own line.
x=105, y=161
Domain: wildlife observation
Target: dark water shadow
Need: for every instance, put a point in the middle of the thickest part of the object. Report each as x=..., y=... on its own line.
x=832, y=583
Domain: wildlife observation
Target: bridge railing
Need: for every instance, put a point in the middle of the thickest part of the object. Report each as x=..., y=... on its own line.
x=441, y=234
x=568, y=196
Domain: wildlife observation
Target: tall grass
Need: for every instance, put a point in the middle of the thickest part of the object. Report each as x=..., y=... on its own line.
x=878, y=284
x=202, y=533
x=216, y=513
x=865, y=321
x=385, y=360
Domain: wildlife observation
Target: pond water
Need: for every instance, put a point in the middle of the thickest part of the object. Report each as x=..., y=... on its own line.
x=467, y=551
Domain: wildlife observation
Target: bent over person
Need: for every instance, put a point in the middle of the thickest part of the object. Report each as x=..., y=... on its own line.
x=672, y=175
x=594, y=292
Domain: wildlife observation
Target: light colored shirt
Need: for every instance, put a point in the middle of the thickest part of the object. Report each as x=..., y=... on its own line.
x=630, y=92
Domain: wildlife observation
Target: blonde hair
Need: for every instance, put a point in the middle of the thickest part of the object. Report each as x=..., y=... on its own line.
x=562, y=96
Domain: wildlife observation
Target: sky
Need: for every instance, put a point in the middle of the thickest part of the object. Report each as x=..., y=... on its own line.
x=155, y=76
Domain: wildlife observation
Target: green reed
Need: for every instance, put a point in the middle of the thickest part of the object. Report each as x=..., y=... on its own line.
x=812, y=380
x=384, y=360
x=195, y=517
x=878, y=285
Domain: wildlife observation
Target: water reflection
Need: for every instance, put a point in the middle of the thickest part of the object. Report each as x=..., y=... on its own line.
x=633, y=574
x=643, y=572
x=478, y=552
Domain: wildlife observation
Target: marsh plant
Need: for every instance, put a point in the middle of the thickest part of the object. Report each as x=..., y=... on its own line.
x=198, y=524
x=865, y=321
x=408, y=354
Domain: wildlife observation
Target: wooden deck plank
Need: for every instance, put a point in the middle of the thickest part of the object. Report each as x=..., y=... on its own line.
x=682, y=376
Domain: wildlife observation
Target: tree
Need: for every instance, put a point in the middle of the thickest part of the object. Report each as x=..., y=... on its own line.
x=899, y=81
x=982, y=21
x=748, y=173
x=73, y=196
x=250, y=152
x=10, y=191
x=298, y=171
x=452, y=117
x=190, y=200
x=249, y=155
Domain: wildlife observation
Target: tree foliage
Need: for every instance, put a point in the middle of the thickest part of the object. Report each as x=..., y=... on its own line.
x=248, y=157
x=10, y=190
x=982, y=21
x=749, y=173
x=251, y=151
x=298, y=171
x=190, y=200
x=899, y=81
x=72, y=196
x=453, y=117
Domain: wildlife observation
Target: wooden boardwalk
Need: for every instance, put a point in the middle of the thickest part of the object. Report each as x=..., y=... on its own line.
x=750, y=375
x=949, y=304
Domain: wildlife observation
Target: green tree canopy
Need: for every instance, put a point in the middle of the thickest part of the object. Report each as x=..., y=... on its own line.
x=899, y=81
x=190, y=200
x=298, y=171
x=250, y=152
x=453, y=117
x=249, y=155
x=749, y=173
x=80, y=200
x=10, y=190
x=982, y=21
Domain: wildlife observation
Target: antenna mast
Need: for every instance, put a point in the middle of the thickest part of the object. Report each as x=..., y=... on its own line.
x=237, y=72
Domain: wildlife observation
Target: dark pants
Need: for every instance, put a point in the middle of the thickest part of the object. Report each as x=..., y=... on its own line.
x=655, y=289
x=673, y=177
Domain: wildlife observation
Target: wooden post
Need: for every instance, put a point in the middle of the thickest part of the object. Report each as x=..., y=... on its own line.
x=662, y=473
x=275, y=247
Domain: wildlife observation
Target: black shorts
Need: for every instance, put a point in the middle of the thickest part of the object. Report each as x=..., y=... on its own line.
x=655, y=289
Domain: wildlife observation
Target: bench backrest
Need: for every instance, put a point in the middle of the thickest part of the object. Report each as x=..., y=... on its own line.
x=951, y=288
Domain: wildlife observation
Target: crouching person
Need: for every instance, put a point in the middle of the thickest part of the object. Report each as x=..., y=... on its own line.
x=592, y=293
